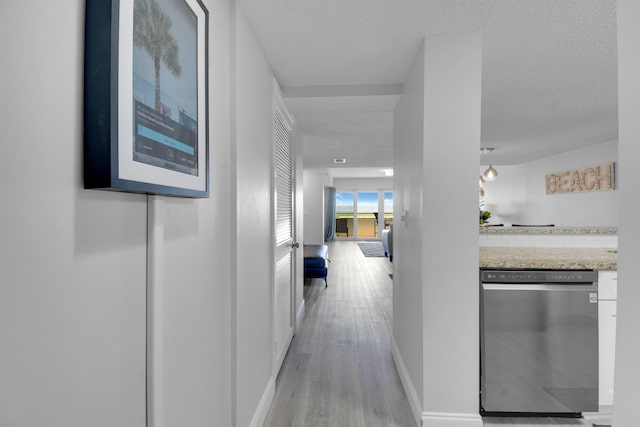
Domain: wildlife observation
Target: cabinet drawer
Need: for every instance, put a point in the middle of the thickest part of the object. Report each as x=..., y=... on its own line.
x=608, y=284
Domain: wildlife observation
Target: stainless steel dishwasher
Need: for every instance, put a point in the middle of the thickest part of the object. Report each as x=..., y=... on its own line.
x=538, y=342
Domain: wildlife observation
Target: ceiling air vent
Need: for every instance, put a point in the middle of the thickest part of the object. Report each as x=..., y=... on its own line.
x=339, y=161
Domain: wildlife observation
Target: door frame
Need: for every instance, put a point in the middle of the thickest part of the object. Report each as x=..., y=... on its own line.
x=280, y=108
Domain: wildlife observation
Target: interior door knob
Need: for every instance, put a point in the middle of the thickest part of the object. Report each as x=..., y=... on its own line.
x=295, y=245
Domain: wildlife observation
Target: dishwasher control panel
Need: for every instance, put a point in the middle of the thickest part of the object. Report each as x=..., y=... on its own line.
x=538, y=276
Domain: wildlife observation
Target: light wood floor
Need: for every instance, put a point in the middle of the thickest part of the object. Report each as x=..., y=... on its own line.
x=339, y=370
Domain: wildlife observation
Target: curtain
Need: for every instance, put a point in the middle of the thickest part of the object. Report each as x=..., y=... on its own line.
x=330, y=217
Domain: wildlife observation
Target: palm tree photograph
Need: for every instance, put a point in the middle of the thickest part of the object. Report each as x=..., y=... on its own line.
x=145, y=121
x=152, y=32
x=165, y=85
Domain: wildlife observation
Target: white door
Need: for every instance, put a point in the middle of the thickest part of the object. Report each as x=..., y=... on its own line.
x=284, y=236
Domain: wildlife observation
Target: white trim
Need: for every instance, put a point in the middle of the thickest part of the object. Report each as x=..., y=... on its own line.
x=446, y=419
x=155, y=311
x=342, y=90
x=428, y=419
x=281, y=114
x=279, y=358
x=407, y=384
x=280, y=105
x=604, y=415
x=300, y=316
x=265, y=403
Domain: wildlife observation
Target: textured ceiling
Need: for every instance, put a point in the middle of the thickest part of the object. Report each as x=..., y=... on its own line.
x=549, y=73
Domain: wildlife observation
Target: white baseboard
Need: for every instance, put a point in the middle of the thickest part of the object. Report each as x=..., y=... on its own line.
x=265, y=403
x=300, y=315
x=603, y=416
x=407, y=384
x=445, y=419
x=428, y=419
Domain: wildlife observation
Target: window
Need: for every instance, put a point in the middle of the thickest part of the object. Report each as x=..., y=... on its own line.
x=388, y=209
x=363, y=214
x=367, y=214
x=344, y=214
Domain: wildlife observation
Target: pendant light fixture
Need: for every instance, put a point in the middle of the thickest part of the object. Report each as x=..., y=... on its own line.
x=491, y=173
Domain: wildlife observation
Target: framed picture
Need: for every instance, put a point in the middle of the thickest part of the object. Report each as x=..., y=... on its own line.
x=146, y=97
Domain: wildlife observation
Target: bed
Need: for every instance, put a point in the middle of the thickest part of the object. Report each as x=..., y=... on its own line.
x=316, y=262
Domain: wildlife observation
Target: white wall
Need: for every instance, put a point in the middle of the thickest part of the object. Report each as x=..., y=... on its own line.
x=253, y=210
x=450, y=282
x=518, y=195
x=408, y=137
x=197, y=332
x=505, y=197
x=435, y=302
x=627, y=375
x=571, y=209
x=363, y=184
x=314, y=208
x=73, y=261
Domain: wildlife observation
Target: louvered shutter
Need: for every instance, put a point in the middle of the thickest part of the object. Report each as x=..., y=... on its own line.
x=284, y=178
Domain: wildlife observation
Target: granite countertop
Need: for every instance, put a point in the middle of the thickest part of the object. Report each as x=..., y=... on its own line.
x=549, y=230
x=549, y=258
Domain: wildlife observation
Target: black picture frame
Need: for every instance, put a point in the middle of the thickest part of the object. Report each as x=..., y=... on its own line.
x=146, y=99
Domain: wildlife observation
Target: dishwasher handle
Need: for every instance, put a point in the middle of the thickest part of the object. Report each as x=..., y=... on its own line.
x=591, y=287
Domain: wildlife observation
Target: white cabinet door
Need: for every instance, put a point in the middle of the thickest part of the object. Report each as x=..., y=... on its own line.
x=607, y=296
x=607, y=332
x=607, y=285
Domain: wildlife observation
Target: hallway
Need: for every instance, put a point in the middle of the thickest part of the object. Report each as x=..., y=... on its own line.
x=339, y=370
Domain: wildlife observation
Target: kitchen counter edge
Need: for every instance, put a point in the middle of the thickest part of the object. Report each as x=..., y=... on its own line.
x=565, y=258
x=489, y=229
